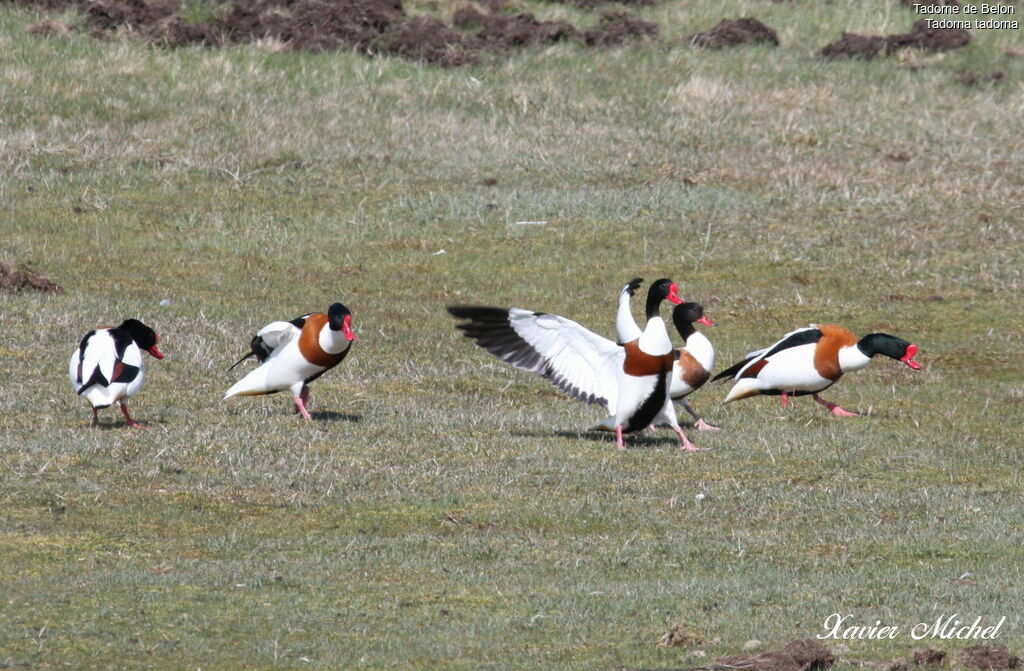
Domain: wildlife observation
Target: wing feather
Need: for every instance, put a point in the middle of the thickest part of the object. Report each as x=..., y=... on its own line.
x=795, y=338
x=98, y=358
x=576, y=360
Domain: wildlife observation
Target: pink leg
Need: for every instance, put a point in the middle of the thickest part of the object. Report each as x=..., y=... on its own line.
x=95, y=419
x=704, y=426
x=835, y=409
x=687, y=445
x=301, y=405
x=618, y=437
x=701, y=424
x=304, y=395
x=785, y=399
x=128, y=418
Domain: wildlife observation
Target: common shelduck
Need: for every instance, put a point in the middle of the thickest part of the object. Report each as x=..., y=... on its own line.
x=694, y=360
x=810, y=360
x=294, y=353
x=630, y=379
x=106, y=367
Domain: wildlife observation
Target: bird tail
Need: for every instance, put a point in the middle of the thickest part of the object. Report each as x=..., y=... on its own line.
x=240, y=361
x=743, y=389
x=253, y=384
x=96, y=379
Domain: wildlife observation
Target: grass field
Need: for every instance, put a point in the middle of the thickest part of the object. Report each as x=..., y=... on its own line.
x=445, y=511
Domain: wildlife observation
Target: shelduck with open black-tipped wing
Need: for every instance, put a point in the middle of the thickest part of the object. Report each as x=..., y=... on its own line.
x=810, y=360
x=294, y=353
x=106, y=367
x=630, y=379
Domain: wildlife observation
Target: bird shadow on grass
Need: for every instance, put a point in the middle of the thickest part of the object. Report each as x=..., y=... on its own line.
x=645, y=439
x=331, y=416
x=121, y=425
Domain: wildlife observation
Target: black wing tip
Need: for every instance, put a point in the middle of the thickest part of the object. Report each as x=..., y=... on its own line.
x=232, y=367
x=474, y=311
x=732, y=370
x=97, y=378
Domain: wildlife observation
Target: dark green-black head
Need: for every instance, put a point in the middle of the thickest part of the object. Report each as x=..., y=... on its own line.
x=663, y=289
x=890, y=346
x=685, y=314
x=340, y=319
x=143, y=336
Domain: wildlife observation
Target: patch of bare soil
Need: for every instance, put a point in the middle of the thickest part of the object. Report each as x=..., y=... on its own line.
x=424, y=38
x=679, y=635
x=592, y=4
x=617, y=27
x=805, y=655
x=977, y=78
x=22, y=278
x=929, y=39
x=500, y=32
x=366, y=26
x=929, y=657
x=734, y=32
x=986, y=657
x=852, y=45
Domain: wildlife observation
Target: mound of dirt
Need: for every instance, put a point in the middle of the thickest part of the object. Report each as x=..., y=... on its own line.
x=852, y=45
x=617, y=28
x=929, y=39
x=986, y=657
x=731, y=33
x=366, y=26
x=425, y=38
x=23, y=278
x=805, y=655
x=592, y=4
x=502, y=32
x=929, y=657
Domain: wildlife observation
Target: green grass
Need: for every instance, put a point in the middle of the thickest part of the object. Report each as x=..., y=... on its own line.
x=446, y=511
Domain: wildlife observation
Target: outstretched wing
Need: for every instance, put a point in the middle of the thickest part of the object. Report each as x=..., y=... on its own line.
x=577, y=361
x=752, y=363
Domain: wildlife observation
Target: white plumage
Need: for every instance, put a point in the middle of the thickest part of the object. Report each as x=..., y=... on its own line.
x=580, y=362
x=106, y=367
x=293, y=354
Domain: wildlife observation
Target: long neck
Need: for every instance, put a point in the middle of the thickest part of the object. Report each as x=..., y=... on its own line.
x=685, y=329
x=653, y=305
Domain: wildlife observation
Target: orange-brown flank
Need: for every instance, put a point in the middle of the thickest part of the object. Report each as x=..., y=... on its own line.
x=690, y=370
x=826, y=354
